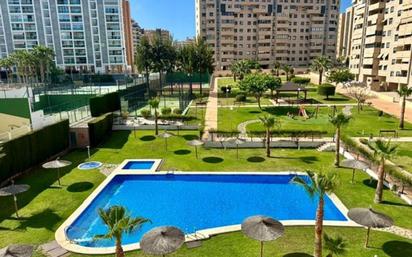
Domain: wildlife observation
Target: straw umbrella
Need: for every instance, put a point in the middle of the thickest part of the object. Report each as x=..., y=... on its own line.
x=354, y=165
x=237, y=142
x=263, y=229
x=162, y=240
x=14, y=190
x=165, y=135
x=370, y=219
x=57, y=164
x=17, y=251
x=196, y=143
x=178, y=125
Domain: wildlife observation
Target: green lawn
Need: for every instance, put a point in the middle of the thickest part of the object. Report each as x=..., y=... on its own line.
x=362, y=124
x=45, y=207
x=403, y=156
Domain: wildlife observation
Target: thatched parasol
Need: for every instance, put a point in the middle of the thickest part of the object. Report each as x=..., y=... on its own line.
x=162, y=240
x=14, y=190
x=57, y=164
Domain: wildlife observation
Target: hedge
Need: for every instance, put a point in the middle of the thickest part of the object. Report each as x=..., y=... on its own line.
x=33, y=148
x=326, y=90
x=289, y=133
x=99, y=128
x=105, y=103
x=300, y=80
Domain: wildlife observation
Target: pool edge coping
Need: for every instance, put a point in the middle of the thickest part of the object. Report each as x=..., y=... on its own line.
x=63, y=241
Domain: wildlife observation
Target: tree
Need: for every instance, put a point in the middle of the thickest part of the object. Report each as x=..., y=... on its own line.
x=276, y=66
x=154, y=104
x=326, y=90
x=340, y=76
x=318, y=185
x=7, y=63
x=403, y=93
x=204, y=59
x=382, y=151
x=321, y=64
x=162, y=55
x=187, y=60
x=255, y=85
x=242, y=68
x=358, y=91
x=144, y=58
x=119, y=222
x=335, y=246
x=272, y=83
x=25, y=64
x=288, y=70
x=338, y=121
x=269, y=123
x=44, y=58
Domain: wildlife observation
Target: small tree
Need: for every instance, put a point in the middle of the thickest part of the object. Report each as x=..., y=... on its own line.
x=144, y=59
x=276, y=67
x=338, y=121
x=118, y=222
x=255, y=85
x=382, y=152
x=335, y=246
x=44, y=57
x=272, y=83
x=318, y=185
x=403, y=93
x=340, y=76
x=288, y=70
x=269, y=123
x=300, y=80
x=358, y=91
x=326, y=90
x=321, y=64
x=154, y=104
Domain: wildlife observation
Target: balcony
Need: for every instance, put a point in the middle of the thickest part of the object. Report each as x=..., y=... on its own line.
x=371, y=52
x=376, y=6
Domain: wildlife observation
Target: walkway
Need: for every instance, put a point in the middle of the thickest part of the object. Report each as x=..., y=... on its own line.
x=211, y=109
x=242, y=127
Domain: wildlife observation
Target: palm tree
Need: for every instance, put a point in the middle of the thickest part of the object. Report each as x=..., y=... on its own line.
x=403, y=93
x=318, y=185
x=7, y=63
x=335, y=246
x=276, y=66
x=154, y=104
x=144, y=59
x=187, y=59
x=25, y=63
x=321, y=64
x=204, y=56
x=338, y=121
x=288, y=70
x=44, y=57
x=119, y=222
x=269, y=123
x=234, y=67
x=383, y=150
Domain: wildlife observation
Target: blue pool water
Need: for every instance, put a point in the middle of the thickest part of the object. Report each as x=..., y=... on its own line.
x=90, y=165
x=139, y=165
x=195, y=202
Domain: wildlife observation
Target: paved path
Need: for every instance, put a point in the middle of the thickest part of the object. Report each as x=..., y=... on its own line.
x=53, y=249
x=211, y=109
x=242, y=127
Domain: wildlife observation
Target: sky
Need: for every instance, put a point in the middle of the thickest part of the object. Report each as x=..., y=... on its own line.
x=177, y=16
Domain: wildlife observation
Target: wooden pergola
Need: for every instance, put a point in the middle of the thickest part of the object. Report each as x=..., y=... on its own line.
x=292, y=87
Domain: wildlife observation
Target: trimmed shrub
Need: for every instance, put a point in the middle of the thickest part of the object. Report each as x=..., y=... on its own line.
x=300, y=80
x=33, y=148
x=99, y=128
x=166, y=111
x=103, y=104
x=177, y=117
x=177, y=111
x=326, y=90
x=146, y=113
x=241, y=98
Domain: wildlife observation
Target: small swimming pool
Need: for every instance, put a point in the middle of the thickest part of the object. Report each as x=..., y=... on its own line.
x=139, y=165
x=198, y=201
x=89, y=165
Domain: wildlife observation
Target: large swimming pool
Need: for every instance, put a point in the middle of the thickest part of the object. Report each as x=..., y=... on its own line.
x=197, y=202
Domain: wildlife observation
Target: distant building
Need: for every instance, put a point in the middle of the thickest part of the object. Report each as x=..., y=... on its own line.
x=185, y=42
x=381, y=48
x=151, y=33
x=86, y=35
x=137, y=33
x=343, y=44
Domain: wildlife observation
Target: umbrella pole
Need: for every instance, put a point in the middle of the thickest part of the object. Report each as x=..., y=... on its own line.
x=15, y=206
x=367, y=237
x=196, y=152
x=58, y=176
x=237, y=152
x=353, y=176
x=261, y=248
x=166, y=143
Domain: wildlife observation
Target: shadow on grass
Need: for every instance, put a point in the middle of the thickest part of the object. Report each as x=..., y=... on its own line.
x=190, y=137
x=255, y=112
x=182, y=152
x=335, y=99
x=212, y=159
x=147, y=138
x=397, y=248
x=46, y=219
x=255, y=159
x=116, y=142
x=297, y=255
x=309, y=159
x=80, y=187
x=395, y=204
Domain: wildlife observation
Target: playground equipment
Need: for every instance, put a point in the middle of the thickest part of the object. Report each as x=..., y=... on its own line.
x=302, y=112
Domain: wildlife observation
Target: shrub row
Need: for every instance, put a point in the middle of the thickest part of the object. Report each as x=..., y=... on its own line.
x=289, y=133
x=34, y=148
x=99, y=128
x=105, y=103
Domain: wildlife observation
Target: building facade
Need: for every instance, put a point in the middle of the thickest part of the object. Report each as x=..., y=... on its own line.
x=152, y=33
x=137, y=32
x=381, y=50
x=86, y=35
x=344, y=36
x=288, y=31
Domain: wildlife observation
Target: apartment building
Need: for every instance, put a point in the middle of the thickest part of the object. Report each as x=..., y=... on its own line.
x=288, y=31
x=86, y=35
x=151, y=33
x=381, y=50
x=137, y=32
x=344, y=36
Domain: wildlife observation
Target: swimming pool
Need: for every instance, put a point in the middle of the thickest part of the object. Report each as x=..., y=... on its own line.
x=131, y=166
x=138, y=165
x=199, y=202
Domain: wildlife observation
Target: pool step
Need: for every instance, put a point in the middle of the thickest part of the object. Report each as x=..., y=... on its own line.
x=53, y=249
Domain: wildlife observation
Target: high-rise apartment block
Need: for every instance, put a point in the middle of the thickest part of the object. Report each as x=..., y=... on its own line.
x=288, y=31
x=86, y=35
x=381, y=50
x=152, y=33
x=344, y=43
x=137, y=32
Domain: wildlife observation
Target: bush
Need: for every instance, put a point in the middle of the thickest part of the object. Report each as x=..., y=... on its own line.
x=300, y=80
x=33, y=148
x=326, y=90
x=177, y=111
x=99, y=128
x=146, y=113
x=175, y=117
x=241, y=98
x=103, y=104
x=226, y=89
x=166, y=111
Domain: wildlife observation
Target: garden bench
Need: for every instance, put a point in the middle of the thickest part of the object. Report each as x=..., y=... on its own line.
x=388, y=131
